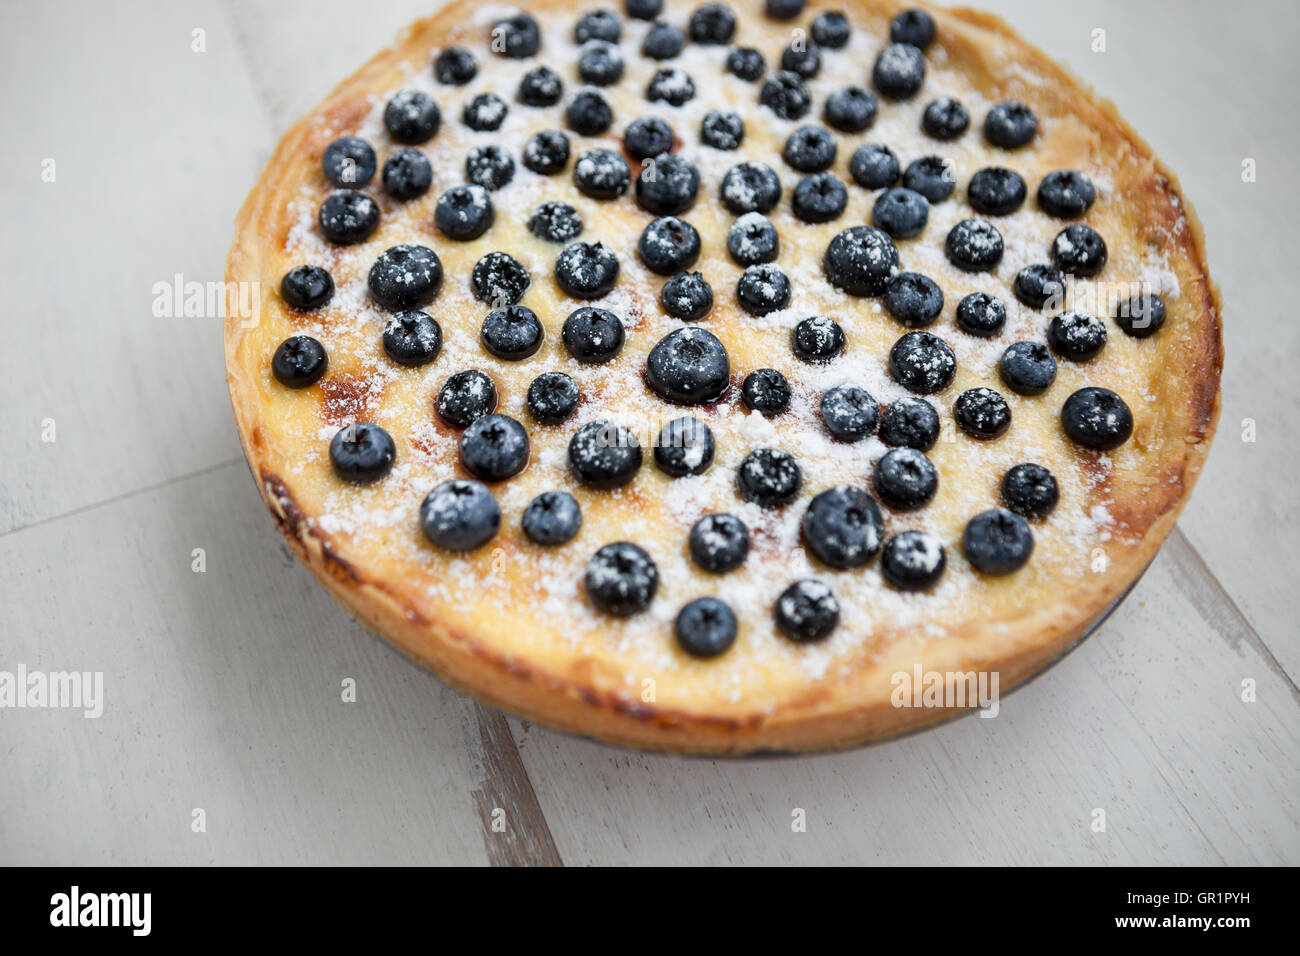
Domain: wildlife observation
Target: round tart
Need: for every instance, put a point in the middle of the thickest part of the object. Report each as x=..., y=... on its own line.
x=683, y=375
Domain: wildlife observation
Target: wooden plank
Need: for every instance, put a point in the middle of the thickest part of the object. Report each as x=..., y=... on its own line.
x=223, y=691
x=1144, y=721
x=307, y=47
x=154, y=147
x=515, y=831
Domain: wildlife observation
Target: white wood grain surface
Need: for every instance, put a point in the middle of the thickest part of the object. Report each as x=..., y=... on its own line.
x=223, y=688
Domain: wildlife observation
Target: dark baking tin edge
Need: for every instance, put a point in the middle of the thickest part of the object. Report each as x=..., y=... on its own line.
x=823, y=751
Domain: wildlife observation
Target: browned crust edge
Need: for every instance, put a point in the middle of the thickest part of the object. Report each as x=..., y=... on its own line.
x=570, y=705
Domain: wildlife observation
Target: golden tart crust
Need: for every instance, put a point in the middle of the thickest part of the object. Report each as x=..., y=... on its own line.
x=509, y=623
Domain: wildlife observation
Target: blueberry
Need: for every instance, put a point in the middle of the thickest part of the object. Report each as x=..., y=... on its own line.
x=997, y=541
x=1027, y=368
x=512, y=333
x=722, y=129
x=945, y=118
x=348, y=162
x=913, y=299
x=405, y=277
x=831, y=30
x=819, y=197
x=763, y=289
x=981, y=315
x=915, y=27
x=600, y=64
x=667, y=185
x=1010, y=124
x=850, y=109
x=347, y=217
x=769, y=478
x=905, y=479
x=766, y=391
x=974, y=245
x=494, y=448
x=1097, y=418
x=597, y=25
x=809, y=149
x=901, y=212
x=552, y=398
x=982, y=413
x=464, y=212
x=913, y=561
x=687, y=296
x=688, y=367
x=1066, y=194
x=1030, y=490
x=705, y=628
x=362, y=452
x=843, y=527
x=485, y=113
x=552, y=518
x=592, y=336
x=412, y=117
x=996, y=191
x=648, y=136
x=684, y=447
x=1141, y=315
x=860, y=261
x=407, y=174
x=306, y=288
x=586, y=270
x=1038, y=285
x=490, y=166
x=807, y=611
x=672, y=86
x=803, y=58
x=817, y=339
x=719, y=543
x=455, y=66
x=465, y=398
x=299, y=361
x=752, y=239
x=750, y=187
x=746, y=63
x=555, y=222
x=546, y=152
x=668, y=245
x=588, y=114
x=712, y=25
x=931, y=176
x=663, y=41
x=412, y=338
x=786, y=95
x=874, y=166
x=899, y=71
x=922, y=363
x=515, y=37
x=621, y=579
x=1076, y=336
x=601, y=174
x=540, y=87
x=643, y=9
x=849, y=412
x=460, y=515
x=783, y=9
x=604, y=455
x=1079, y=250
x=910, y=423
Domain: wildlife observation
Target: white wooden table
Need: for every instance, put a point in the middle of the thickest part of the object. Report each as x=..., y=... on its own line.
x=222, y=688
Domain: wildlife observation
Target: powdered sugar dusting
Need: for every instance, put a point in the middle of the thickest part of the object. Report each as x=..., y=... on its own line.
x=654, y=511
